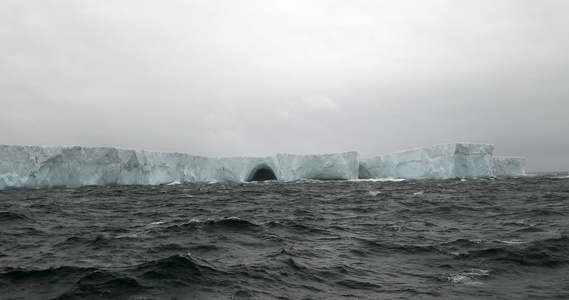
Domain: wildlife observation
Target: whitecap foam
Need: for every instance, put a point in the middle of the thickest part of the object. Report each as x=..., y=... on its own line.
x=379, y=179
x=468, y=277
x=131, y=235
x=457, y=278
x=512, y=242
x=395, y=227
x=196, y=220
x=373, y=193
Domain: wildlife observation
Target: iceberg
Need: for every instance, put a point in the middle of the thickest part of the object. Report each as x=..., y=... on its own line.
x=75, y=166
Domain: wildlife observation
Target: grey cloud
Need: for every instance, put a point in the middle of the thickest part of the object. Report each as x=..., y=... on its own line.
x=232, y=78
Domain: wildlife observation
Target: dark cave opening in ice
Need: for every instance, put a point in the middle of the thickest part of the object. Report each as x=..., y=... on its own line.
x=263, y=174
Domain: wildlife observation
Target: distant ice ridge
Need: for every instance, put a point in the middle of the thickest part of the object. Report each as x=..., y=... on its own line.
x=58, y=166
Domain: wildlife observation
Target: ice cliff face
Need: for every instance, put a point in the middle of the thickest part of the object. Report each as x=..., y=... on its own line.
x=508, y=166
x=54, y=166
x=460, y=160
x=342, y=166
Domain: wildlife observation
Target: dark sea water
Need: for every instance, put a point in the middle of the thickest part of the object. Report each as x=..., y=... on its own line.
x=412, y=239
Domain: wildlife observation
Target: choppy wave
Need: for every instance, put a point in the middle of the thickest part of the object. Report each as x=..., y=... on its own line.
x=424, y=239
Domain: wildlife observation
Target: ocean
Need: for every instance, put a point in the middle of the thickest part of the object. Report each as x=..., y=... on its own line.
x=504, y=238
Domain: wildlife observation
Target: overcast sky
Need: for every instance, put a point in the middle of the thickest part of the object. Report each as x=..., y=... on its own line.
x=256, y=78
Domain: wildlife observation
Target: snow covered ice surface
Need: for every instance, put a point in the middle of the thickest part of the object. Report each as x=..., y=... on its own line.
x=62, y=166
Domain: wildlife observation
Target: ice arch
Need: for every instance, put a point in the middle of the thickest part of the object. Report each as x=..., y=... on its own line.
x=262, y=173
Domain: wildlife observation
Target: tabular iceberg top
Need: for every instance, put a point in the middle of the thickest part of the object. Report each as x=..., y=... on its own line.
x=61, y=166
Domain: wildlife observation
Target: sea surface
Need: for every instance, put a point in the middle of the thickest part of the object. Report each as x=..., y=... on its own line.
x=411, y=239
